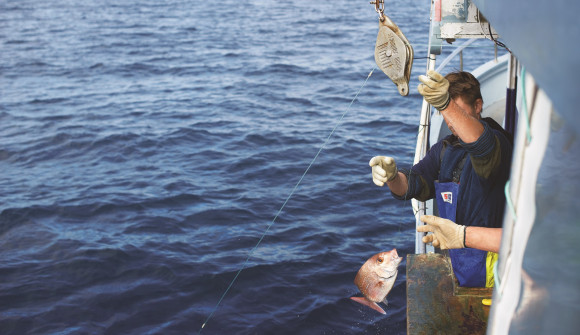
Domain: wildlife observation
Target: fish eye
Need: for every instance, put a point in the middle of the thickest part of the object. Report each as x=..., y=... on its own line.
x=380, y=260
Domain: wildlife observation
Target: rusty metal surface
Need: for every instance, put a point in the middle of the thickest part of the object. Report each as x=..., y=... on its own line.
x=436, y=304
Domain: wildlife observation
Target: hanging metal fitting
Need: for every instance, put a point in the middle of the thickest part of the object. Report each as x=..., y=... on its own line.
x=380, y=8
x=394, y=54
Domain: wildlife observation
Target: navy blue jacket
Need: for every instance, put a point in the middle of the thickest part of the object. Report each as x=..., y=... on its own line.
x=482, y=178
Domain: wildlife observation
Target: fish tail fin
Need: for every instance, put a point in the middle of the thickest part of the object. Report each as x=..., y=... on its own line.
x=371, y=304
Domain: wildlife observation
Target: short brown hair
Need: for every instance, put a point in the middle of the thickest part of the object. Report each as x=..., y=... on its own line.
x=465, y=85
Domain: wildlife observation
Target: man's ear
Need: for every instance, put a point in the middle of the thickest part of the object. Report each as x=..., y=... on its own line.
x=478, y=106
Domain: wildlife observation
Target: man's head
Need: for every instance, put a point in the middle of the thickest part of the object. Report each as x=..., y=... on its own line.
x=464, y=91
x=465, y=86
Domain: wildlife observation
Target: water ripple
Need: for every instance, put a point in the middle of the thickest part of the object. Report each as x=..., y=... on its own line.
x=147, y=146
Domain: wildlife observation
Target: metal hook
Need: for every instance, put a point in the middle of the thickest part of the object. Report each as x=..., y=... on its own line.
x=380, y=9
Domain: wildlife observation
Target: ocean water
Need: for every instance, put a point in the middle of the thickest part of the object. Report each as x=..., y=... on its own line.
x=147, y=146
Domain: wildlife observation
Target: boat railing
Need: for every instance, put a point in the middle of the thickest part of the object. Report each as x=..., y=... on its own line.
x=457, y=51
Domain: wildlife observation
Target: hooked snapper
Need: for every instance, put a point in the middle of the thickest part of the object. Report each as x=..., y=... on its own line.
x=376, y=278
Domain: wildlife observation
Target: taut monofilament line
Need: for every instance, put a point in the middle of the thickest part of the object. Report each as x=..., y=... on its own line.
x=286, y=201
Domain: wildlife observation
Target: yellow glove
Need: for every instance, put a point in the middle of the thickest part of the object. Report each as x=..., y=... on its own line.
x=435, y=88
x=446, y=233
x=384, y=169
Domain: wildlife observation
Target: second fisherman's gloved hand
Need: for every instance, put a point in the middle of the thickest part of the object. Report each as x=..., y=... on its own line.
x=446, y=233
x=435, y=88
x=384, y=169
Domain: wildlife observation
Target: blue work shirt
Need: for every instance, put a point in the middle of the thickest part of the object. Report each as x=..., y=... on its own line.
x=482, y=179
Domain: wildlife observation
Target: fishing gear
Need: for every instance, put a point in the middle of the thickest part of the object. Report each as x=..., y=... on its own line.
x=393, y=52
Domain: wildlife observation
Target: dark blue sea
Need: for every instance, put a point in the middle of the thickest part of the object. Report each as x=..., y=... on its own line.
x=147, y=147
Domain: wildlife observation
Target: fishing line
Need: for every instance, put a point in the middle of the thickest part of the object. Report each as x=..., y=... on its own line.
x=285, y=202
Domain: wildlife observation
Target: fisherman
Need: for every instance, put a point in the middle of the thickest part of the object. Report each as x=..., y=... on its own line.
x=465, y=172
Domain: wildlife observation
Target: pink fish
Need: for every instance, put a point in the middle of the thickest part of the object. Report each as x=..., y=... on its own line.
x=376, y=278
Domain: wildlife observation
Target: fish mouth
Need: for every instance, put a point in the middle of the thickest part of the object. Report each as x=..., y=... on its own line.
x=395, y=256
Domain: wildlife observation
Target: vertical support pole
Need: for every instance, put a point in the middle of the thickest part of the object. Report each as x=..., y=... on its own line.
x=420, y=151
x=510, y=121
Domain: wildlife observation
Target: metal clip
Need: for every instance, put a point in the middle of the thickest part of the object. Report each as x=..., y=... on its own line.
x=380, y=9
x=393, y=53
